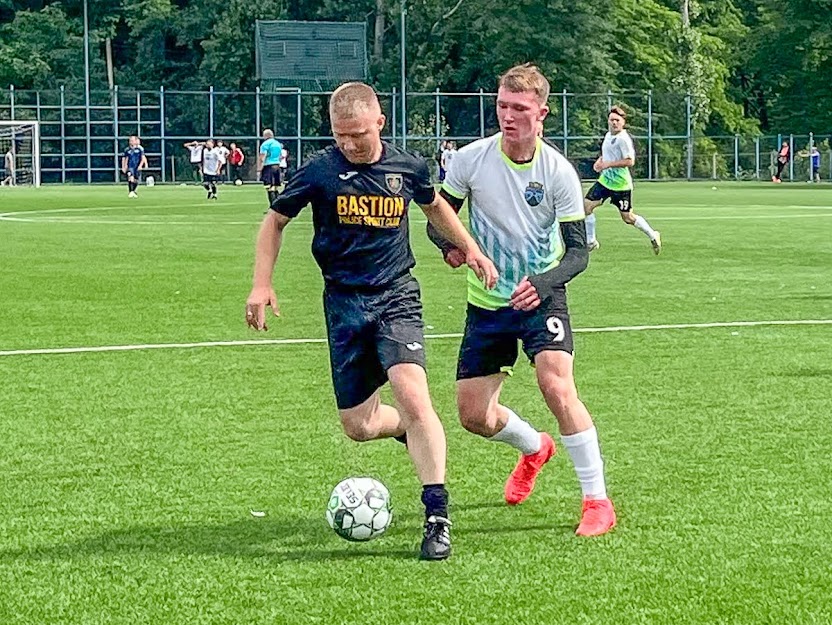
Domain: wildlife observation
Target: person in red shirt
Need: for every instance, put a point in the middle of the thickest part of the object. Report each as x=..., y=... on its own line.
x=236, y=158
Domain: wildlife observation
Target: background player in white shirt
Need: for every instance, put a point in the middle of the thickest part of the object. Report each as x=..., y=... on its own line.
x=195, y=149
x=527, y=215
x=615, y=182
x=211, y=167
x=223, y=154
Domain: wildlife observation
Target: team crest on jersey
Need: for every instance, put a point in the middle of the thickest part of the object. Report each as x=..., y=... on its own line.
x=613, y=140
x=533, y=193
x=394, y=182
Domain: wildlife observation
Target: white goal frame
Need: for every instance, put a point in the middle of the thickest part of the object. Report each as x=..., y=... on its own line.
x=35, y=127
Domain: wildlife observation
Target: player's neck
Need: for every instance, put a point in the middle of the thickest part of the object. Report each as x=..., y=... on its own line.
x=520, y=152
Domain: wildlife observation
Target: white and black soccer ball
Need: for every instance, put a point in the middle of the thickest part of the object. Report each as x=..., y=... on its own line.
x=150, y=181
x=238, y=182
x=359, y=509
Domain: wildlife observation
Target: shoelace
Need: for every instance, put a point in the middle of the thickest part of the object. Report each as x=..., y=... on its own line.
x=438, y=528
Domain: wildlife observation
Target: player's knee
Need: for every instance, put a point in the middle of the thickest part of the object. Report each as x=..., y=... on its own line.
x=360, y=429
x=628, y=217
x=558, y=390
x=474, y=415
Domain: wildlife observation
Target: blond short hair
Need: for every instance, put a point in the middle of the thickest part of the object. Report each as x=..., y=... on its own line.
x=526, y=78
x=353, y=99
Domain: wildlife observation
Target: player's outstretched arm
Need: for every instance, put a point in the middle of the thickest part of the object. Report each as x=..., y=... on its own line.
x=124, y=164
x=262, y=293
x=447, y=223
x=453, y=256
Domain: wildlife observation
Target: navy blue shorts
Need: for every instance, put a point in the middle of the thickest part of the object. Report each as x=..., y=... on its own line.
x=135, y=174
x=622, y=200
x=490, y=342
x=369, y=331
x=270, y=176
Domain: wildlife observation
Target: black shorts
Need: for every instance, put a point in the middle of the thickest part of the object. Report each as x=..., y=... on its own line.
x=270, y=176
x=622, y=200
x=489, y=344
x=210, y=178
x=369, y=332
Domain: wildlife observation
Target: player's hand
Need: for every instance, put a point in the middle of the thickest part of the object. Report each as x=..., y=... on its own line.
x=483, y=267
x=259, y=298
x=525, y=296
x=599, y=165
x=455, y=258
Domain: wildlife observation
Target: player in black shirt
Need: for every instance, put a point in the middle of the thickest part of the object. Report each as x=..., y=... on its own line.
x=359, y=191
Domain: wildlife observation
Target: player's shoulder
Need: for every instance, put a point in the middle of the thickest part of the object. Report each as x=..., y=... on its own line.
x=551, y=155
x=401, y=158
x=476, y=152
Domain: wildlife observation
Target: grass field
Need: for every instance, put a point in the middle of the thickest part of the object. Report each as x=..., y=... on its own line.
x=127, y=477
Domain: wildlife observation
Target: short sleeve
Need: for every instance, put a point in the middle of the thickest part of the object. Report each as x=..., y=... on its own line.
x=456, y=181
x=299, y=191
x=567, y=194
x=264, y=149
x=423, y=190
x=628, y=150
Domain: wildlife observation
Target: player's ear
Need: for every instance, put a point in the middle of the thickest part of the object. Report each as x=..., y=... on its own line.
x=381, y=121
x=544, y=111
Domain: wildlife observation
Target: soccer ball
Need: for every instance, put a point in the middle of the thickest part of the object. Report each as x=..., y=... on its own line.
x=150, y=181
x=359, y=509
x=238, y=182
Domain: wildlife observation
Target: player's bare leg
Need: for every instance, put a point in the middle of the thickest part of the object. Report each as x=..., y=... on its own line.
x=556, y=381
x=371, y=420
x=589, y=209
x=640, y=223
x=481, y=413
x=427, y=447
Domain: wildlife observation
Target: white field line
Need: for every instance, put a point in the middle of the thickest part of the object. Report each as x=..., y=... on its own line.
x=163, y=219
x=453, y=335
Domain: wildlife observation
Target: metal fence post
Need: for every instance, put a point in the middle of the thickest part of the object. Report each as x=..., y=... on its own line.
x=437, y=125
x=257, y=111
x=650, y=134
x=211, y=111
x=757, y=157
x=689, y=111
x=736, y=157
x=114, y=105
x=482, y=114
x=565, y=117
x=791, y=158
x=299, y=131
x=11, y=101
x=609, y=99
x=63, y=135
x=394, y=124
x=162, y=133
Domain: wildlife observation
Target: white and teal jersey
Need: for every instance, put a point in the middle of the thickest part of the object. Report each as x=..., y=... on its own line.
x=617, y=148
x=514, y=211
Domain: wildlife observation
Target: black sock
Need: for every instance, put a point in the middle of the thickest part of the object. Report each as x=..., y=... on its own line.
x=435, y=498
x=402, y=439
x=213, y=188
x=131, y=186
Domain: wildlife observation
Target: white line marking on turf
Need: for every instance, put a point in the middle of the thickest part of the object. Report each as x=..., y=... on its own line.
x=452, y=335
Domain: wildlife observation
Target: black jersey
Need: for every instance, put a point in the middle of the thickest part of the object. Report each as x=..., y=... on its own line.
x=360, y=213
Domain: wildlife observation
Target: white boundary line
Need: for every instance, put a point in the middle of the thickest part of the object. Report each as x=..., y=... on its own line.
x=453, y=335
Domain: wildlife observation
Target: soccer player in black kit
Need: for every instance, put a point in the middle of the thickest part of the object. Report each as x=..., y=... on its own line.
x=359, y=190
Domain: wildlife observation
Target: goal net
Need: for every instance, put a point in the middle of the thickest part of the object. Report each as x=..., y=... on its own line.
x=19, y=153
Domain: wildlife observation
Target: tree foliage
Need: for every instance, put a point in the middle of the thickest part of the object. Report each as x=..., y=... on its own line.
x=747, y=64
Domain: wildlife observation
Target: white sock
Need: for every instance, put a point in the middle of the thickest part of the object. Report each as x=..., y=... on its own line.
x=590, y=228
x=519, y=434
x=641, y=224
x=585, y=452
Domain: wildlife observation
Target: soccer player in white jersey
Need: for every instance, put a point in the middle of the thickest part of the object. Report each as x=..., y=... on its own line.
x=615, y=182
x=211, y=168
x=527, y=215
